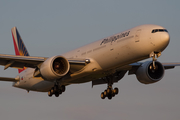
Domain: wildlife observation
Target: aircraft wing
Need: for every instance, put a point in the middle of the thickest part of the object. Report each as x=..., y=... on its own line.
x=170, y=65
x=166, y=65
x=20, y=61
x=131, y=68
x=134, y=66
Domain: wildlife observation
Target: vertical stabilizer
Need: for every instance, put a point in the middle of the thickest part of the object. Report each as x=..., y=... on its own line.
x=20, y=48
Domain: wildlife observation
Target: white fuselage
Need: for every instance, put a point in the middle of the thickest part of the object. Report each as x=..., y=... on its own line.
x=106, y=54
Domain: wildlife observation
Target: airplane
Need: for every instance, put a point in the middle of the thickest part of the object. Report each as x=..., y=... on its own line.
x=105, y=61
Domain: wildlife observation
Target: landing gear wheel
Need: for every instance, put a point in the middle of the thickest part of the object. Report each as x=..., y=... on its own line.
x=52, y=90
x=63, y=88
x=57, y=94
x=105, y=93
x=60, y=91
x=116, y=91
x=109, y=91
x=110, y=97
x=102, y=96
x=113, y=94
x=50, y=94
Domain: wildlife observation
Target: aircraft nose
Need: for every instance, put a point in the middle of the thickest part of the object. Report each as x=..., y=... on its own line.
x=165, y=38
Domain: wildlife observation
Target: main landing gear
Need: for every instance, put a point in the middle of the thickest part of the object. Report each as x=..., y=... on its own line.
x=56, y=90
x=109, y=92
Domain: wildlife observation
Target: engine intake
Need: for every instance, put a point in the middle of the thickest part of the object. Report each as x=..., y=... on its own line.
x=146, y=74
x=54, y=67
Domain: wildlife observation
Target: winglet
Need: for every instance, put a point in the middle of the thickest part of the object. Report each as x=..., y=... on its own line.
x=20, y=48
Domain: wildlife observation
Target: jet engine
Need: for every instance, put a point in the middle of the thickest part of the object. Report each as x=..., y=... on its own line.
x=147, y=73
x=54, y=68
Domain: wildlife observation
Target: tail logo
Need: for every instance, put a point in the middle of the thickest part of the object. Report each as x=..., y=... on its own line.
x=20, y=48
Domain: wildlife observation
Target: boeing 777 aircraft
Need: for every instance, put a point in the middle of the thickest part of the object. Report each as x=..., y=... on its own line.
x=105, y=61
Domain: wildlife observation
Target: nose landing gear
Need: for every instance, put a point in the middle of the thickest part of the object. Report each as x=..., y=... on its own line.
x=154, y=56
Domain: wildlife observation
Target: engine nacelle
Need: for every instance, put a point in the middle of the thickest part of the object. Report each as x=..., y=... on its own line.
x=54, y=68
x=147, y=75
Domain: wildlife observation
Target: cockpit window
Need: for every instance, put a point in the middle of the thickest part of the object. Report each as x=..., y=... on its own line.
x=159, y=30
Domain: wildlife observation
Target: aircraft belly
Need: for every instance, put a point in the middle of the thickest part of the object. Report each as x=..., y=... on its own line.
x=28, y=82
x=35, y=85
x=84, y=78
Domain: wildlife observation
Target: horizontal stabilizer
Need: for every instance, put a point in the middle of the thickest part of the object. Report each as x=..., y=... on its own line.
x=9, y=79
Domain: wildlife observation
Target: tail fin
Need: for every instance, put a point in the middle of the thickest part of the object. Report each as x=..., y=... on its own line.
x=20, y=48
